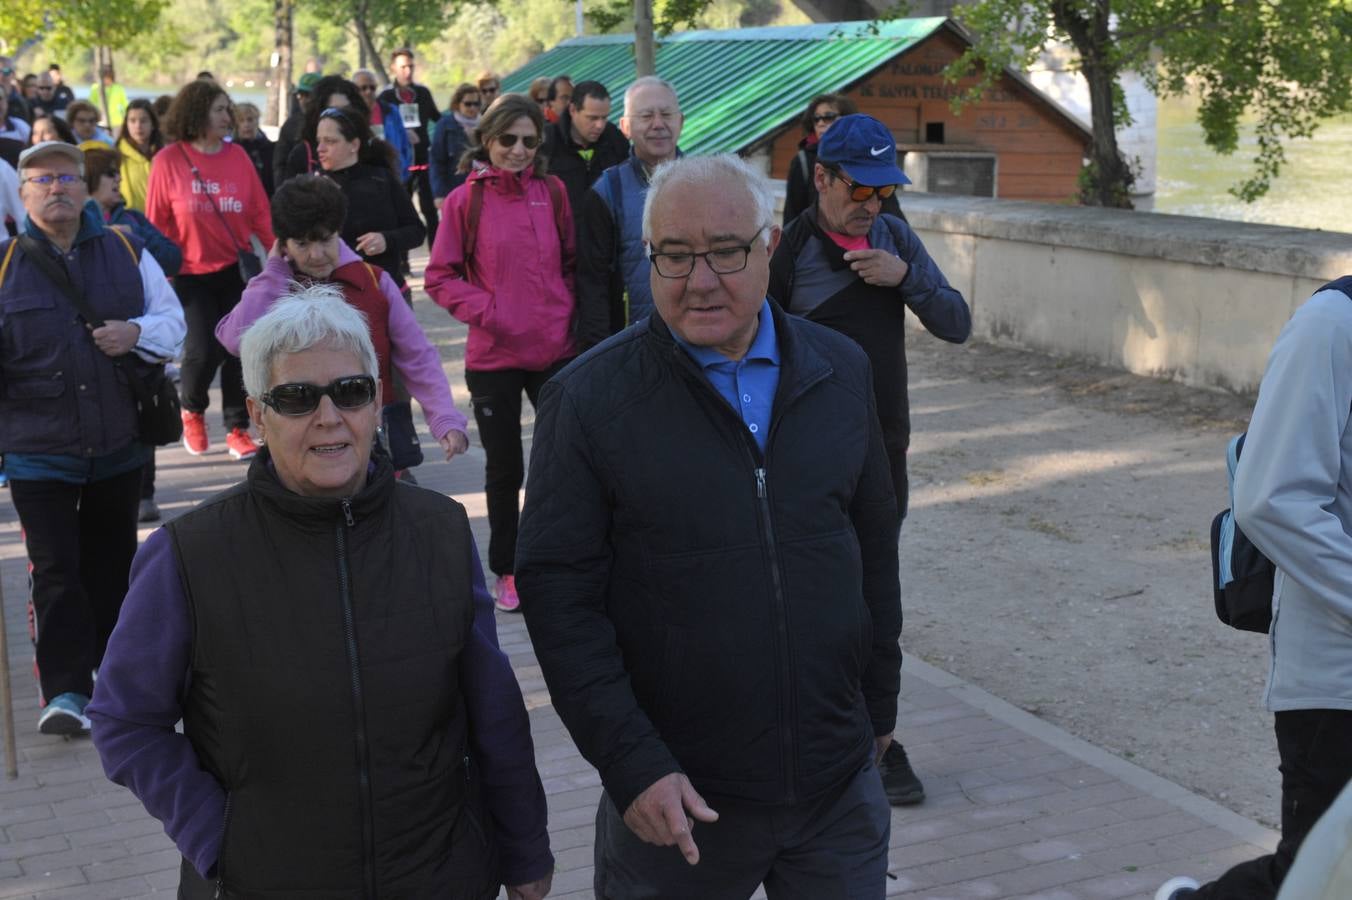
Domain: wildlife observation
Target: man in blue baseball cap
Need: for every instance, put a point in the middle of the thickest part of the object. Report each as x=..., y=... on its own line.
x=850, y=266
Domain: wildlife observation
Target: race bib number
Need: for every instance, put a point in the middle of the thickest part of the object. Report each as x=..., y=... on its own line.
x=379, y=131
x=408, y=112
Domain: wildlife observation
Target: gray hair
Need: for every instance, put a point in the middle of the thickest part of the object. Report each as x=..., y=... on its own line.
x=724, y=168
x=374, y=76
x=648, y=81
x=300, y=320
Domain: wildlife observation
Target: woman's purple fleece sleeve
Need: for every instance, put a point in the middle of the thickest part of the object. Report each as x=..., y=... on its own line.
x=138, y=701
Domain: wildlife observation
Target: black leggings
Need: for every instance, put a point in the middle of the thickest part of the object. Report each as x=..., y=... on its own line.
x=496, y=397
x=206, y=299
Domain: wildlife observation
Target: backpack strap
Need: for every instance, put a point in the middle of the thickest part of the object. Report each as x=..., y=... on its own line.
x=9, y=253
x=556, y=201
x=135, y=258
x=375, y=279
x=1343, y=285
x=476, y=205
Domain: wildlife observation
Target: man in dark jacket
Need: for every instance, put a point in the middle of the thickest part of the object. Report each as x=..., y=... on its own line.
x=708, y=568
x=846, y=264
x=584, y=142
x=289, y=135
x=419, y=113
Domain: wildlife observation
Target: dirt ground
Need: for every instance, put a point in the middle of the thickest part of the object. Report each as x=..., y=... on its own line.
x=1056, y=555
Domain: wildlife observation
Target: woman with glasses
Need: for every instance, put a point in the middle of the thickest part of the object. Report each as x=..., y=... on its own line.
x=503, y=263
x=83, y=118
x=204, y=194
x=799, y=192
x=350, y=726
x=451, y=140
x=138, y=142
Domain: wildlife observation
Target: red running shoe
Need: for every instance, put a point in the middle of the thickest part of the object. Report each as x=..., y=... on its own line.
x=240, y=445
x=195, y=433
x=507, y=600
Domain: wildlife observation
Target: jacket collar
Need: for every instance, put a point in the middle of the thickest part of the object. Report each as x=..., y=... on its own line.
x=91, y=226
x=503, y=182
x=321, y=511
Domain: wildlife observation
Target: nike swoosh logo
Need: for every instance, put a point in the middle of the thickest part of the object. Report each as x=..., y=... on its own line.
x=878, y=151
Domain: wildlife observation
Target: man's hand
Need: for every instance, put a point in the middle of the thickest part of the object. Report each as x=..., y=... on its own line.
x=877, y=267
x=454, y=443
x=536, y=890
x=880, y=745
x=116, y=338
x=658, y=815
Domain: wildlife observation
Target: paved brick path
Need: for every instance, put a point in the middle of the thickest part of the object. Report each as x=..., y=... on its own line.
x=1016, y=807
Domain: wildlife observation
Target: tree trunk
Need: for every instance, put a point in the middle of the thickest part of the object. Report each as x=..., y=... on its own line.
x=103, y=56
x=1107, y=180
x=364, y=37
x=645, y=57
x=279, y=99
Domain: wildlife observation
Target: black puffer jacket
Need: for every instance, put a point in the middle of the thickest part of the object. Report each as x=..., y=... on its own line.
x=697, y=606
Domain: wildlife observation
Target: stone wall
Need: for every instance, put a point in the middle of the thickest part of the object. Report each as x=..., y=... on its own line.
x=1196, y=300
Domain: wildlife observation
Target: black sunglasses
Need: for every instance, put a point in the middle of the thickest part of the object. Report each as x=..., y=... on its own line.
x=474, y=103
x=300, y=399
x=825, y=117
x=509, y=140
x=862, y=193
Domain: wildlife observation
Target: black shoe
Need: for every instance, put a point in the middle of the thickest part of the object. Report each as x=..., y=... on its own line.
x=899, y=781
x=148, y=511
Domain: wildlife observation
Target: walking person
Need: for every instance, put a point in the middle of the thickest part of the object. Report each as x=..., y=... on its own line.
x=846, y=264
x=323, y=633
x=708, y=568
x=800, y=188
x=419, y=113
x=69, y=429
x=138, y=142
x=1293, y=500
x=255, y=143
x=503, y=264
x=451, y=139
x=204, y=194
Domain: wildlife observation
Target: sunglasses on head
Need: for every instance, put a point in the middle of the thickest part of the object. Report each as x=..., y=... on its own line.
x=825, y=117
x=299, y=398
x=530, y=141
x=861, y=193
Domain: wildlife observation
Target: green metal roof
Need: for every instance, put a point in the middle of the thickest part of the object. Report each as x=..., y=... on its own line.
x=736, y=86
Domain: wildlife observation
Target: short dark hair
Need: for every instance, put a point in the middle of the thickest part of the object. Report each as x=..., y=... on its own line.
x=554, y=85
x=464, y=90
x=402, y=51
x=61, y=125
x=323, y=89
x=308, y=208
x=100, y=161
x=844, y=105
x=54, y=68
x=585, y=89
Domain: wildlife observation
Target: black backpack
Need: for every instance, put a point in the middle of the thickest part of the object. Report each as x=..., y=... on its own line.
x=1241, y=576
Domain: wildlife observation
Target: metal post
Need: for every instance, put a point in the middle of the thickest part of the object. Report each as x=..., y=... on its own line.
x=7, y=698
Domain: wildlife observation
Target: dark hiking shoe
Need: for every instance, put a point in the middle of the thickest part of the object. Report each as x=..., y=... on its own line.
x=899, y=781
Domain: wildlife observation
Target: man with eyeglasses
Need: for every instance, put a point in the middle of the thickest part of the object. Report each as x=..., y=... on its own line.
x=489, y=88
x=386, y=124
x=49, y=102
x=708, y=568
x=612, y=263
x=68, y=417
x=849, y=266
x=584, y=143
x=9, y=87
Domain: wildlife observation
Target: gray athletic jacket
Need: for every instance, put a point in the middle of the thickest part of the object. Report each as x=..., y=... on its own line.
x=1293, y=498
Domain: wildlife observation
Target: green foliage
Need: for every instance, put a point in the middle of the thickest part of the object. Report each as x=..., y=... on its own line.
x=77, y=25
x=19, y=21
x=390, y=23
x=1285, y=64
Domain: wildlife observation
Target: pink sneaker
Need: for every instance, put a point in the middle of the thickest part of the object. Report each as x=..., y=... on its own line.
x=507, y=600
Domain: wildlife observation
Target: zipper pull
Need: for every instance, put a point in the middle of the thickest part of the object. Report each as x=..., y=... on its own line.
x=347, y=512
x=760, y=483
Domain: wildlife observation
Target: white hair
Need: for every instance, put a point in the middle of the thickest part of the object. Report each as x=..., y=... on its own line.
x=374, y=76
x=721, y=168
x=300, y=320
x=648, y=81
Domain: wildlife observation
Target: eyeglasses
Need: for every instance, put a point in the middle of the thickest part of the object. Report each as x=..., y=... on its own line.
x=530, y=142
x=474, y=103
x=489, y=88
x=825, y=117
x=367, y=88
x=46, y=87
x=862, y=193
x=721, y=261
x=300, y=399
x=65, y=180
x=83, y=120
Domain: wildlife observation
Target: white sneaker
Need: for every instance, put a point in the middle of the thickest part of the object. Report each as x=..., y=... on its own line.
x=1177, y=888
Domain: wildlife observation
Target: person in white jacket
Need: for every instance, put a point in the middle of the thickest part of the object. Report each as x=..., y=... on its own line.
x=1293, y=499
x=11, y=207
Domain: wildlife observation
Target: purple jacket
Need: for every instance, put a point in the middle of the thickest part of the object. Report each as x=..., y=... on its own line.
x=411, y=353
x=144, y=676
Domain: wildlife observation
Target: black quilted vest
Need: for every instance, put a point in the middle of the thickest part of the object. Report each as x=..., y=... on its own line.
x=324, y=692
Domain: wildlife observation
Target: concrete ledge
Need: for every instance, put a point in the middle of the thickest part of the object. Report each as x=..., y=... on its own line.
x=1272, y=249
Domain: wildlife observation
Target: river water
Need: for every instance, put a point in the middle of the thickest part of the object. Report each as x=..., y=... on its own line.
x=1310, y=192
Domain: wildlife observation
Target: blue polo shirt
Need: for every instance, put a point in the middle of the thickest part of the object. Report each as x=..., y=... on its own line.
x=748, y=384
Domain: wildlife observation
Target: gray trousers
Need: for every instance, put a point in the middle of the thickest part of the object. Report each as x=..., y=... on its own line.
x=833, y=848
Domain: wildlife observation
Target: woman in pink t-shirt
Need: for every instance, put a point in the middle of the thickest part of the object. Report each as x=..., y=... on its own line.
x=205, y=195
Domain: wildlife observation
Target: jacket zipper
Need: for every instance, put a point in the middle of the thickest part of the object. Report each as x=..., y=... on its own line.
x=759, y=465
x=358, y=706
x=220, y=855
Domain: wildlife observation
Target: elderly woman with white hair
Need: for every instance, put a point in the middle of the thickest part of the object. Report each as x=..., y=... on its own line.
x=323, y=632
